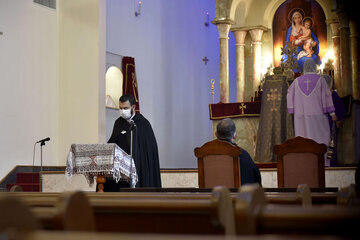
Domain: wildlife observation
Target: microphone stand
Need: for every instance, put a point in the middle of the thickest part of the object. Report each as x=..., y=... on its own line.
x=132, y=125
x=42, y=143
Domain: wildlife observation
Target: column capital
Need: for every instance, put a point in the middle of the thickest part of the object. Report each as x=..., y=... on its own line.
x=354, y=29
x=334, y=26
x=343, y=19
x=331, y=21
x=239, y=37
x=223, y=29
x=256, y=35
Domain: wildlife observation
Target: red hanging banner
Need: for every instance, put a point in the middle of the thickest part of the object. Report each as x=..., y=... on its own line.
x=130, y=82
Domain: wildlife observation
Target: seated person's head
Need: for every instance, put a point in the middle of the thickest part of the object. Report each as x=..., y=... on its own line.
x=226, y=130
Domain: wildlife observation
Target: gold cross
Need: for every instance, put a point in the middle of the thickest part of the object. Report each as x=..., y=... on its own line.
x=273, y=97
x=242, y=107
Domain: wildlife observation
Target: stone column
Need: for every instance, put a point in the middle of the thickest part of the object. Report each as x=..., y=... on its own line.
x=256, y=34
x=240, y=64
x=334, y=25
x=224, y=61
x=345, y=63
x=354, y=42
x=355, y=51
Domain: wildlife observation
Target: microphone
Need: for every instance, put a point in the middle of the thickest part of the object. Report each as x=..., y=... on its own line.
x=44, y=140
x=132, y=124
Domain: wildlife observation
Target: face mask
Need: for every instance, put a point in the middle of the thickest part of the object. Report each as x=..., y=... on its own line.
x=125, y=113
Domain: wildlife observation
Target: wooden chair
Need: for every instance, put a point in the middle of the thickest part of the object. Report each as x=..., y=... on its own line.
x=300, y=161
x=218, y=164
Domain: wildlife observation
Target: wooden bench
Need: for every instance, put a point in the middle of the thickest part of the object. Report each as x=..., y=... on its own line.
x=199, y=213
x=213, y=214
x=42, y=199
x=57, y=235
x=66, y=211
x=254, y=216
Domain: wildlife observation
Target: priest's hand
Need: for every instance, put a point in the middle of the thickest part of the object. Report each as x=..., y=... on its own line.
x=334, y=118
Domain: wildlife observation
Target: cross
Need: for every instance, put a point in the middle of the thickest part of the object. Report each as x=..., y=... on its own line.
x=205, y=60
x=242, y=107
x=307, y=84
x=273, y=97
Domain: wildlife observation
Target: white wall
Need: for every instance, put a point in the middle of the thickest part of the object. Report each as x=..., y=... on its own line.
x=168, y=41
x=81, y=73
x=52, y=73
x=29, y=82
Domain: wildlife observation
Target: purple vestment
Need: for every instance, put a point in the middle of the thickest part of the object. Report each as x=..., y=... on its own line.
x=309, y=99
x=340, y=112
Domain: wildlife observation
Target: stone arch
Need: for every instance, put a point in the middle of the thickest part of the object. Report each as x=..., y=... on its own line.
x=269, y=13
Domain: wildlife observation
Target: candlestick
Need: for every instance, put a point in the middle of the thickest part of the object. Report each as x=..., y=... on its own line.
x=212, y=89
x=138, y=11
x=206, y=19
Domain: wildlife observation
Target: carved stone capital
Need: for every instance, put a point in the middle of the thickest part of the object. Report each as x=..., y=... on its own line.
x=343, y=19
x=354, y=29
x=334, y=26
x=223, y=30
x=240, y=37
x=256, y=35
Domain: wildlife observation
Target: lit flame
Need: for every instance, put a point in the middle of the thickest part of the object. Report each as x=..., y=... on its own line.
x=267, y=62
x=328, y=56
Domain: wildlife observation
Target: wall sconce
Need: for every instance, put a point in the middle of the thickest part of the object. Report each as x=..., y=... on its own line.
x=138, y=9
x=206, y=23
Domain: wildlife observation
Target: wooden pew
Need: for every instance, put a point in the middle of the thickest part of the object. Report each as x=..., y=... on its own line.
x=57, y=235
x=42, y=199
x=254, y=216
x=66, y=211
x=212, y=214
x=16, y=215
x=132, y=212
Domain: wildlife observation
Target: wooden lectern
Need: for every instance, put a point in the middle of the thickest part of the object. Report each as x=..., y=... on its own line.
x=101, y=161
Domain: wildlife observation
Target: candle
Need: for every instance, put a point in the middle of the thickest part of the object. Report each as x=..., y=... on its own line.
x=206, y=19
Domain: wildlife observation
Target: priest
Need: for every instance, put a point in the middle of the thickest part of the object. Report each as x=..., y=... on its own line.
x=144, y=146
x=309, y=99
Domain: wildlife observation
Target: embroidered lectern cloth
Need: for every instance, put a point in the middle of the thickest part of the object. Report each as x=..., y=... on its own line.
x=95, y=159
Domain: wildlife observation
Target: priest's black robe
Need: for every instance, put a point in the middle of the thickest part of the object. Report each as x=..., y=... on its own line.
x=249, y=172
x=145, y=151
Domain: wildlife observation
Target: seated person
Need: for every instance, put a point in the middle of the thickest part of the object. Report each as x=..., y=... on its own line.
x=226, y=130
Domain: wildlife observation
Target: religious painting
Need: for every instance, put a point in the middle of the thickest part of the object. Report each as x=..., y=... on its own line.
x=302, y=24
